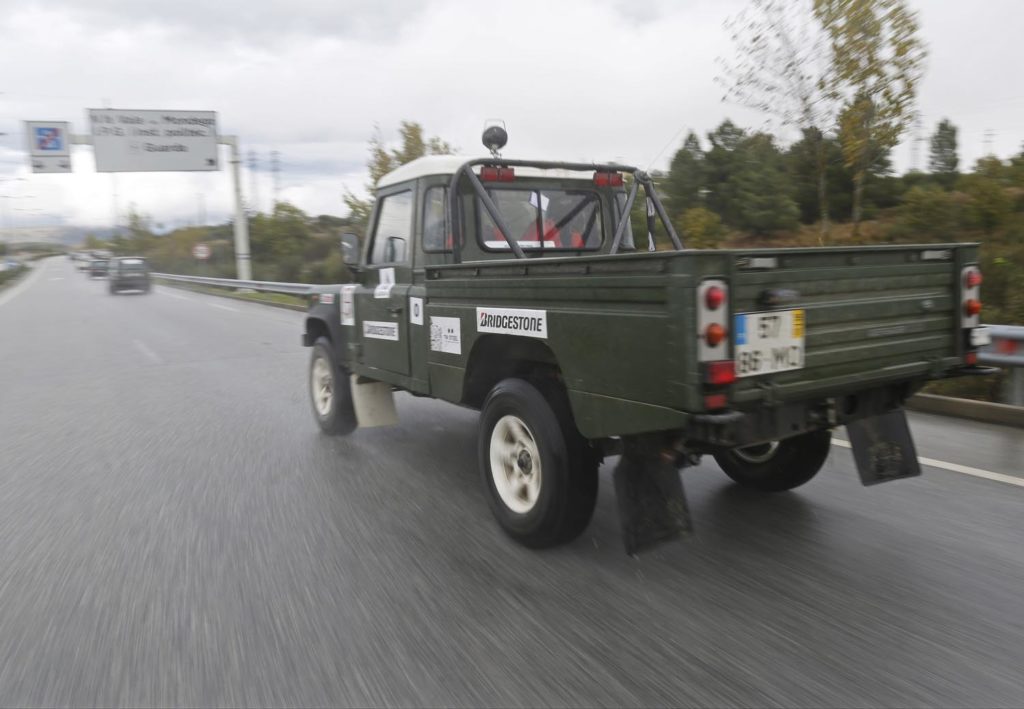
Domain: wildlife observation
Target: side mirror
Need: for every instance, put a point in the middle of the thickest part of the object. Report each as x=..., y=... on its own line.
x=350, y=249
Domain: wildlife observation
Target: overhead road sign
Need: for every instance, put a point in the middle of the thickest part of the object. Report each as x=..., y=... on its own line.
x=49, y=145
x=153, y=141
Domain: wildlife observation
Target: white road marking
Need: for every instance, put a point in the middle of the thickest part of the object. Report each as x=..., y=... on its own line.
x=955, y=468
x=57, y=278
x=223, y=307
x=141, y=347
x=175, y=295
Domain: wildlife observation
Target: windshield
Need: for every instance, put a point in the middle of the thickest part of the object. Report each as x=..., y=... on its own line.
x=555, y=219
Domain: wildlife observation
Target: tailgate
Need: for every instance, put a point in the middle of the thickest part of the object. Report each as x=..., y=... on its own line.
x=814, y=322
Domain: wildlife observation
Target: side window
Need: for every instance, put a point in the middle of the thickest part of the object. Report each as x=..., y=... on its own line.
x=436, y=237
x=393, y=232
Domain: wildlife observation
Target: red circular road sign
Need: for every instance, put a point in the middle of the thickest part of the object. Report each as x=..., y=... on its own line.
x=201, y=251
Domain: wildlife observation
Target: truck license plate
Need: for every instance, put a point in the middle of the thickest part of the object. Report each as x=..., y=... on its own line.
x=770, y=342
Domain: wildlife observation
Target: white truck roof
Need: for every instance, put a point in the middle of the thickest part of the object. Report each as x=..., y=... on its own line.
x=448, y=164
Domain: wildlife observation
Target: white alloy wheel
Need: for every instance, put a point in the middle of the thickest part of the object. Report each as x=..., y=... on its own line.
x=515, y=464
x=322, y=384
x=758, y=453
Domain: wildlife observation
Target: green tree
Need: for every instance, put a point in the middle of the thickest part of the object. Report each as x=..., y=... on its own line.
x=761, y=188
x=877, y=63
x=928, y=213
x=803, y=159
x=94, y=243
x=382, y=161
x=780, y=68
x=685, y=179
x=720, y=166
x=700, y=228
x=989, y=205
x=942, y=157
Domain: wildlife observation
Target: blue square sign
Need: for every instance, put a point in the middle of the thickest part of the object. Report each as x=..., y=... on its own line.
x=49, y=138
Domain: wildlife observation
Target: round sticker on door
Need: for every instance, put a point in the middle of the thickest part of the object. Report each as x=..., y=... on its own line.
x=416, y=311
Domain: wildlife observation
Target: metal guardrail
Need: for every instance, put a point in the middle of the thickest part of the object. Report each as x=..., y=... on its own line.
x=265, y=286
x=1007, y=350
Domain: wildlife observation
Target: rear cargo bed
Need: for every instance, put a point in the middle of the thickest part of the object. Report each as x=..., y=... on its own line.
x=871, y=314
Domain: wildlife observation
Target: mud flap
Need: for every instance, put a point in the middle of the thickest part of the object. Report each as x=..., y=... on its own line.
x=883, y=448
x=650, y=497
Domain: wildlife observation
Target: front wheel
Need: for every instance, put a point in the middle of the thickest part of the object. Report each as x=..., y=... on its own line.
x=539, y=472
x=330, y=391
x=779, y=465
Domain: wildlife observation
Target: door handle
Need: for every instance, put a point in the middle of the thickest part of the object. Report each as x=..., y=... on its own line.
x=395, y=309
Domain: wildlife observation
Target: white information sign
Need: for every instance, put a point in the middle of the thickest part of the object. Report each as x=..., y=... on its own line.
x=201, y=252
x=415, y=310
x=49, y=145
x=348, y=304
x=153, y=141
x=446, y=335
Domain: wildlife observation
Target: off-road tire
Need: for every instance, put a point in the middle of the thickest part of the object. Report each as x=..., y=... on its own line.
x=332, y=409
x=793, y=462
x=567, y=489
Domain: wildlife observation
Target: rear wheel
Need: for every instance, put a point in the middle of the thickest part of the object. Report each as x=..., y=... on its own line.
x=539, y=472
x=778, y=465
x=330, y=391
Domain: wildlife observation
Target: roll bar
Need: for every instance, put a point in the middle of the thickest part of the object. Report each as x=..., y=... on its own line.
x=465, y=172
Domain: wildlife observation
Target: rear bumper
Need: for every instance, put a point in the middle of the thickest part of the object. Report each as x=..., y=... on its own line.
x=747, y=426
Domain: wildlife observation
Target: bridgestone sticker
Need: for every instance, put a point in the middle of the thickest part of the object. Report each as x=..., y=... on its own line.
x=348, y=305
x=380, y=330
x=446, y=335
x=415, y=310
x=509, y=321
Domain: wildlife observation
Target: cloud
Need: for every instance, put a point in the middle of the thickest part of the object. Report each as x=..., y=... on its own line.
x=573, y=79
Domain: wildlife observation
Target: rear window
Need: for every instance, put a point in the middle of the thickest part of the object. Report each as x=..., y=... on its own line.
x=544, y=219
x=132, y=265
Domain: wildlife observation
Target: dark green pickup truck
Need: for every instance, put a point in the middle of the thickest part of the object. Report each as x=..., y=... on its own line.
x=515, y=288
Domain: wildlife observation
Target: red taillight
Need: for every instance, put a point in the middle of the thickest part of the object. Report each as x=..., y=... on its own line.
x=972, y=307
x=972, y=279
x=497, y=174
x=714, y=334
x=608, y=179
x=714, y=297
x=720, y=373
x=713, y=402
x=971, y=358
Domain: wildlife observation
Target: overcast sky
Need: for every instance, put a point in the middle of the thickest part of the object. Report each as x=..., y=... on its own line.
x=572, y=79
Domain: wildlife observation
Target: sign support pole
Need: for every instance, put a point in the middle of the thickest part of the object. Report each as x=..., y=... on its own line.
x=243, y=262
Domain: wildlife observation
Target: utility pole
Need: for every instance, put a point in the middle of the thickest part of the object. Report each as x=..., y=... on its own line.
x=254, y=195
x=989, y=135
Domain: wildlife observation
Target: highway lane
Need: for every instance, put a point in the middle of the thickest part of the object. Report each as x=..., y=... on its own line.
x=176, y=532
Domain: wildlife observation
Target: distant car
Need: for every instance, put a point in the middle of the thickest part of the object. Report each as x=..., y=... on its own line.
x=98, y=267
x=128, y=273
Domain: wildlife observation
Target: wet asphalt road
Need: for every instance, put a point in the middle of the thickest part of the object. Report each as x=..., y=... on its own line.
x=175, y=531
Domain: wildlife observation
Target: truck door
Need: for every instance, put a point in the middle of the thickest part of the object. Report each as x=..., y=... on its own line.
x=382, y=323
